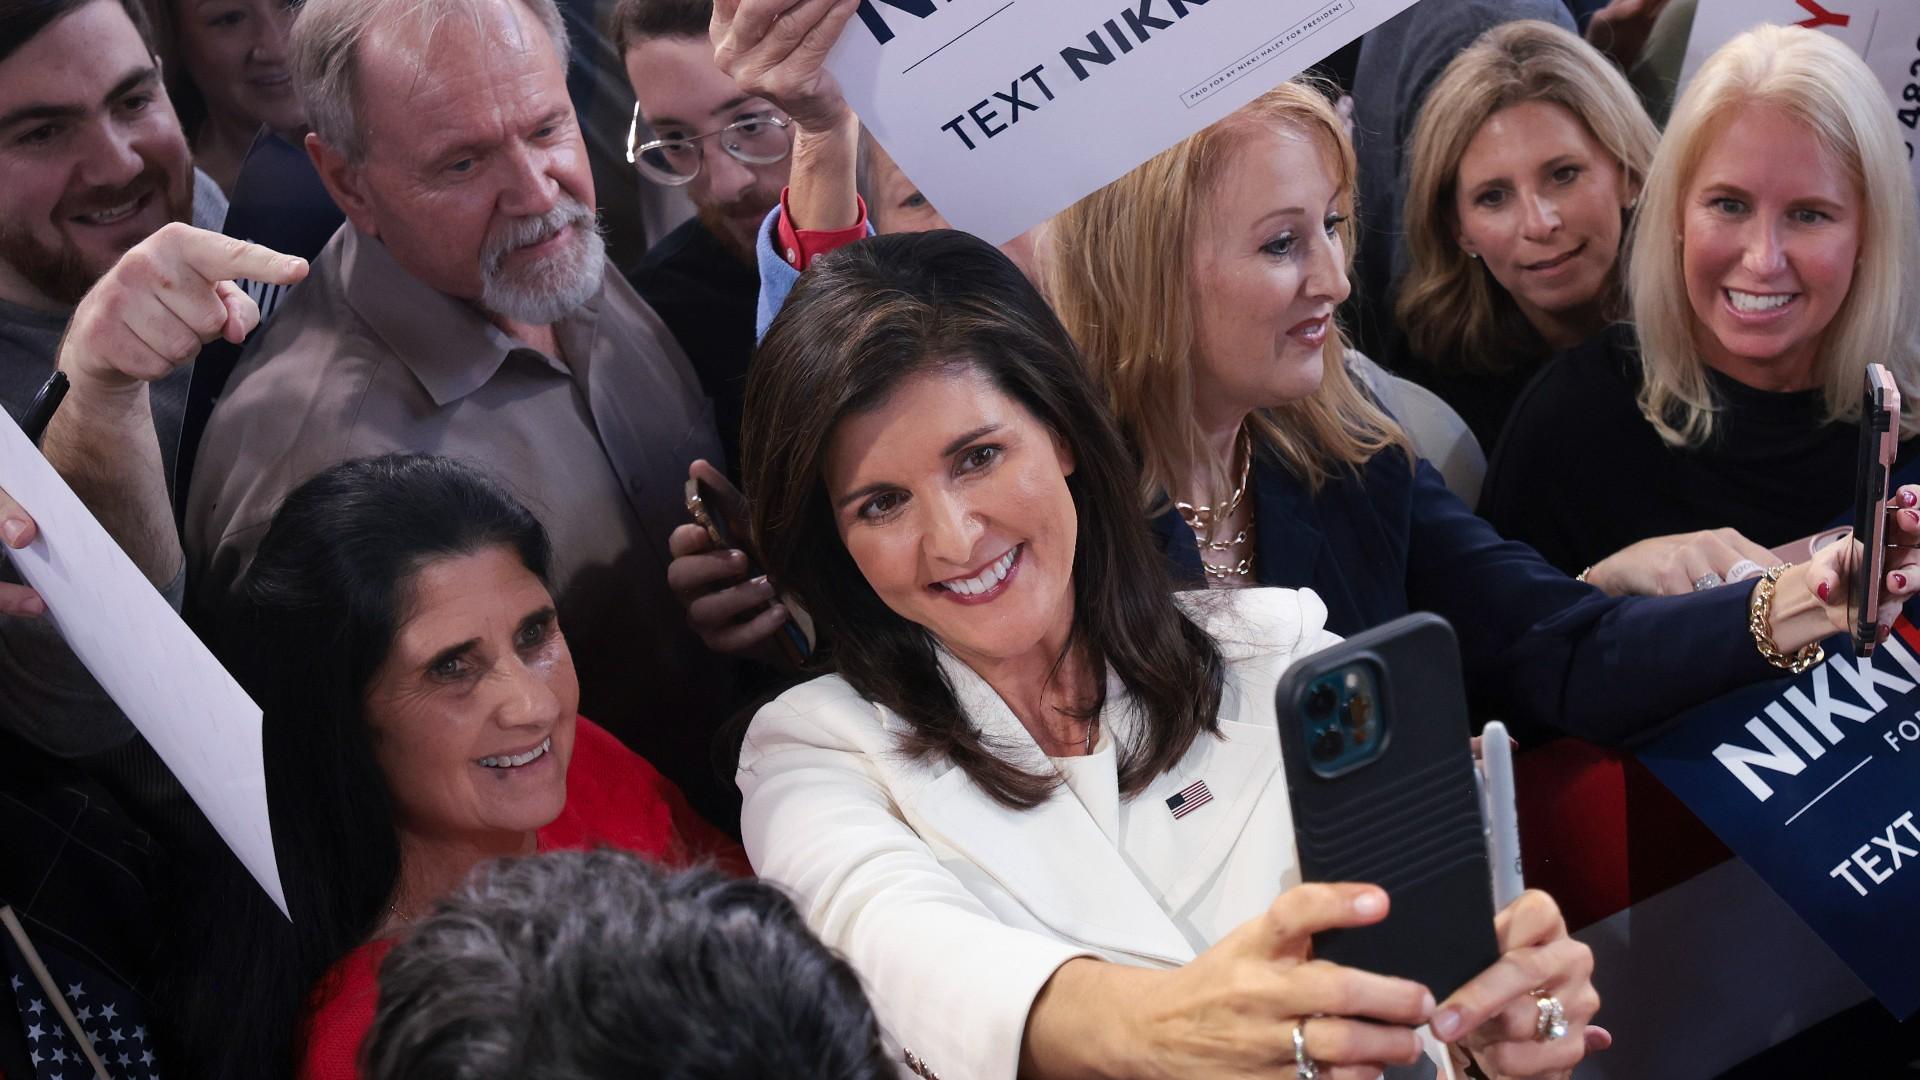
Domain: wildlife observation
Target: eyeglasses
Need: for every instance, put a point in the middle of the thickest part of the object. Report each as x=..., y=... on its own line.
x=760, y=139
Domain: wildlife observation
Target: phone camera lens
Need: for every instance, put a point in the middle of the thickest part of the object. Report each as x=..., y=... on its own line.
x=1328, y=744
x=1321, y=700
x=1359, y=718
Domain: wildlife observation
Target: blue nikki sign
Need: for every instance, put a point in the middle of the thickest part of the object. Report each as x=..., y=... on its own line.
x=1815, y=782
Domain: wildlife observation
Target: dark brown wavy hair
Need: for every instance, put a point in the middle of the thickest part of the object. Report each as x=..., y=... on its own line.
x=860, y=321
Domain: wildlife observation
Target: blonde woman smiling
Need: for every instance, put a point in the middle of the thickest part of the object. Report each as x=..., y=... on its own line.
x=1774, y=255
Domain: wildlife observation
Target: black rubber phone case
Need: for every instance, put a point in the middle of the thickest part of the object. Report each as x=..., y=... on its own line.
x=1408, y=820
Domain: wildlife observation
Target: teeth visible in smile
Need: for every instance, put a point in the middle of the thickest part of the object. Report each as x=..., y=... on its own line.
x=1745, y=301
x=514, y=761
x=988, y=578
x=111, y=214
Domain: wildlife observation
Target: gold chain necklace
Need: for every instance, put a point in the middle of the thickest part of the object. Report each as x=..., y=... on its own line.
x=1201, y=520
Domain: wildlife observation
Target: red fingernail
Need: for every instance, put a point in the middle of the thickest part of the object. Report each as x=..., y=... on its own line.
x=1899, y=582
x=1907, y=497
x=1822, y=591
x=1884, y=632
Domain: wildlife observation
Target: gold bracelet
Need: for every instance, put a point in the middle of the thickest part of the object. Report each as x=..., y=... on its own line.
x=1760, y=622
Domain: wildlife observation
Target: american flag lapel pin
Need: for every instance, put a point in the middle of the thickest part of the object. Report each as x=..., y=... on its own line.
x=1188, y=799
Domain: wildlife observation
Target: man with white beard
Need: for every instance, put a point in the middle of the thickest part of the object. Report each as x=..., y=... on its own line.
x=467, y=308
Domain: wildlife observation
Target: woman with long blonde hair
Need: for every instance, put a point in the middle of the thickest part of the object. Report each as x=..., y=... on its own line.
x=1526, y=161
x=1202, y=289
x=1775, y=254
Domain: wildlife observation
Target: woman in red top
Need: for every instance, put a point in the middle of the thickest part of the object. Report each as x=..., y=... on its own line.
x=420, y=718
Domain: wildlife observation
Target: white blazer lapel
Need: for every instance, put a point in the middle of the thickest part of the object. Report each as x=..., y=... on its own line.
x=1053, y=859
x=1226, y=778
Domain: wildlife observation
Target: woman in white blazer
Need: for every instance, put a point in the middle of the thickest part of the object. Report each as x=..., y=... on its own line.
x=1040, y=808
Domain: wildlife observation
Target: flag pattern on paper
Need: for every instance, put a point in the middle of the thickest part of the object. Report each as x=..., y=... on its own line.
x=1188, y=799
x=109, y=1013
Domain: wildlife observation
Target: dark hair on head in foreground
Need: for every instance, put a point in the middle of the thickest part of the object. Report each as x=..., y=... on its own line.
x=634, y=21
x=315, y=618
x=579, y=965
x=22, y=20
x=861, y=321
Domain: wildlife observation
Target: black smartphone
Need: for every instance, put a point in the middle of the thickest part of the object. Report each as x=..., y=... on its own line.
x=1879, y=445
x=718, y=507
x=1379, y=760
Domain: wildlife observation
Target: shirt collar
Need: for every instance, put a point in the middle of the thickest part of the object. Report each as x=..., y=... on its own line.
x=446, y=343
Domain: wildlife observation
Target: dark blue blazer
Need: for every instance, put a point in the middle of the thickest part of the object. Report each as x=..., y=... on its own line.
x=1539, y=648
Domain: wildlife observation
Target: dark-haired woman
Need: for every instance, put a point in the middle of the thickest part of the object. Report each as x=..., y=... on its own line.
x=1040, y=807
x=419, y=701
x=232, y=79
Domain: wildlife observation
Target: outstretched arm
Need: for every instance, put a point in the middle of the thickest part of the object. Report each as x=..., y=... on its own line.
x=148, y=315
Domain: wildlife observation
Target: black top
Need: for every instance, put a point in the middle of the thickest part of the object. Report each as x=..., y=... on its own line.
x=707, y=296
x=1581, y=474
x=1483, y=399
x=1539, y=648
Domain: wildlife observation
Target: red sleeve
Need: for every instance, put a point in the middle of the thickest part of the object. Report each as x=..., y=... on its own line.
x=342, y=1014
x=704, y=842
x=801, y=246
x=616, y=798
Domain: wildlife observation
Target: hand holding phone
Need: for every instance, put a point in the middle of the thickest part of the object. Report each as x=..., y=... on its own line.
x=1879, y=446
x=1375, y=741
x=718, y=577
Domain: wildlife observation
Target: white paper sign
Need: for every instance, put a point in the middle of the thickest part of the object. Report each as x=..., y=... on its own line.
x=1884, y=32
x=200, y=722
x=1006, y=111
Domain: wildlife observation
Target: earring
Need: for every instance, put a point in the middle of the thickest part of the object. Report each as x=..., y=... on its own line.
x=1474, y=255
x=1633, y=202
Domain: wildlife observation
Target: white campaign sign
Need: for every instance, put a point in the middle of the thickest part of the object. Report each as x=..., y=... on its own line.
x=1006, y=111
x=200, y=722
x=1885, y=32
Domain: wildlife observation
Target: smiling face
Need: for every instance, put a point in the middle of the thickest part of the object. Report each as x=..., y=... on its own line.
x=1539, y=199
x=473, y=710
x=1269, y=270
x=682, y=93
x=235, y=51
x=952, y=500
x=475, y=175
x=1768, y=252
x=91, y=151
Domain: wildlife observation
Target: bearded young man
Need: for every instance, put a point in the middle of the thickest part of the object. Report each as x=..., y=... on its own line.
x=694, y=128
x=93, y=162
x=467, y=308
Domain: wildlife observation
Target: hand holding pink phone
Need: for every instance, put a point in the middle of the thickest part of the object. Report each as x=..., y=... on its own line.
x=1879, y=445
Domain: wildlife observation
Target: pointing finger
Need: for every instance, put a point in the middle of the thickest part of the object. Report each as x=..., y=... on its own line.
x=222, y=258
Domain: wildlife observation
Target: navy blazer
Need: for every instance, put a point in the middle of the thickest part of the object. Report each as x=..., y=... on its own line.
x=1538, y=647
